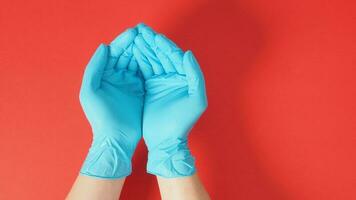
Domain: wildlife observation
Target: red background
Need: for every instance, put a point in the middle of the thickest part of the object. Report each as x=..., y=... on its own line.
x=281, y=122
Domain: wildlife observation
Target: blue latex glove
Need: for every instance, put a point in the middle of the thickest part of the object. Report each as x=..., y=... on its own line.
x=112, y=99
x=175, y=98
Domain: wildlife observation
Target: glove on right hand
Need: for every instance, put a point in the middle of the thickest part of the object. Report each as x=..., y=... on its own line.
x=175, y=98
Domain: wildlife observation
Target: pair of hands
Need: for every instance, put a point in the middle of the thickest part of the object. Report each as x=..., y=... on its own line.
x=141, y=84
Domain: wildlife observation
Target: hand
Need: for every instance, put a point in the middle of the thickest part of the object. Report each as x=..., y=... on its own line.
x=174, y=100
x=112, y=99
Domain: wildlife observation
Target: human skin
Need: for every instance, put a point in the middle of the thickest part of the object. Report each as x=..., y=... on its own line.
x=90, y=188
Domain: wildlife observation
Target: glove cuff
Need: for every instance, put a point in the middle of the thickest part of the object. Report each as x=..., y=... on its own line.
x=107, y=159
x=171, y=159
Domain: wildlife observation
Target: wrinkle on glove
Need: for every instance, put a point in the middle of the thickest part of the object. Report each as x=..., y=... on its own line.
x=172, y=158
